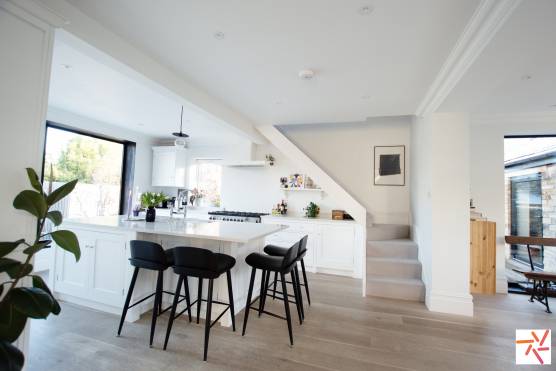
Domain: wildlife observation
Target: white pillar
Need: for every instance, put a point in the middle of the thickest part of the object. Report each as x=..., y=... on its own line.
x=440, y=209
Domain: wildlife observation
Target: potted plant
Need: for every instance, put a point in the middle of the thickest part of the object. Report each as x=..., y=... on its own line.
x=22, y=302
x=150, y=200
x=312, y=210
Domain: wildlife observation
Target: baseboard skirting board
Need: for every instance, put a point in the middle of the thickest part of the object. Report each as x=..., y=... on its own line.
x=501, y=285
x=460, y=304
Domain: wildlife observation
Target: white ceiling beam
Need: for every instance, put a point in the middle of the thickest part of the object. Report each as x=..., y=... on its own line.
x=487, y=19
x=153, y=72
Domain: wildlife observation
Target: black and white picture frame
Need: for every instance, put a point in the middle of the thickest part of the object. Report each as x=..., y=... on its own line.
x=389, y=166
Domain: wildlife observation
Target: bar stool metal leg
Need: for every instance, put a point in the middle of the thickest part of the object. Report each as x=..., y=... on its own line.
x=128, y=299
x=267, y=280
x=199, y=297
x=296, y=296
x=287, y=306
x=231, y=299
x=262, y=292
x=157, y=297
x=187, y=301
x=298, y=279
x=248, y=304
x=275, y=282
x=207, y=320
x=173, y=311
x=306, y=283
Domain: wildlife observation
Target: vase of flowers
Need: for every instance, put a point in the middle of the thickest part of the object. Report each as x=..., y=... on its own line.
x=150, y=200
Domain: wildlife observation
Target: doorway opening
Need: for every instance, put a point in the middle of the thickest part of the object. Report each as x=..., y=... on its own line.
x=530, y=190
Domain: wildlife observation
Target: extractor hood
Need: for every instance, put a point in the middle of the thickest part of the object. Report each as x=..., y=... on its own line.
x=244, y=156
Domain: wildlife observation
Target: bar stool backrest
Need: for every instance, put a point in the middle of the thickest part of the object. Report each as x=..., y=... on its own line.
x=147, y=254
x=291, y=255
x=194, y=261
x=302, y=245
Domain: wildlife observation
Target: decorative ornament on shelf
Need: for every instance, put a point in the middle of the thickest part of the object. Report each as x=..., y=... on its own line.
x=270, y=159
x=280, y=209
x=284, y=182
x=297, y=181
x=312, y=210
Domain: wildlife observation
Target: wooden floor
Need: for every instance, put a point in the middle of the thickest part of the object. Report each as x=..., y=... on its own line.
x=343, y=331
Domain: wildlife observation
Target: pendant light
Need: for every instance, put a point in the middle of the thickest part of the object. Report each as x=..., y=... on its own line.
x=180, y=140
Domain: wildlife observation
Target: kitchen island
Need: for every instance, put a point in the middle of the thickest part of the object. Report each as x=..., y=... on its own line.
x=101, y=278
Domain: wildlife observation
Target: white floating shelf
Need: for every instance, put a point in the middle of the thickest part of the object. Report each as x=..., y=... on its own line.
x=246, y=164
x=302, y=189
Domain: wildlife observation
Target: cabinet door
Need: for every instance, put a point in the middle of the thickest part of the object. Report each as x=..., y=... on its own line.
x=72, y=277
x=336, y=247
x=107, y=275
x=163, y=171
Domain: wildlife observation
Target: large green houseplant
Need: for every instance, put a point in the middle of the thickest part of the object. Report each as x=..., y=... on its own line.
x=20, y=302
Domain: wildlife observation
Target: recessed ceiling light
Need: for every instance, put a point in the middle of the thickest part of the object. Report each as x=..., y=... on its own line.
x=66, y=66
x=306, y=74
x=365, y=97
x=278, y=102
x=526, y=77
x=219, y=35
x=365, y=10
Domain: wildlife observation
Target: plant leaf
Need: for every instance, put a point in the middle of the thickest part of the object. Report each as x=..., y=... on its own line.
x=32, y=202
x=31, y=301
x=36, y=247
x=12, y=322
x=55, y=216
x=39, y=283
x=8, y=247
x=11, y=358
x=60, y=192
x=6, y=264
x=20, y=270
x=34, y=179
x=67, y=240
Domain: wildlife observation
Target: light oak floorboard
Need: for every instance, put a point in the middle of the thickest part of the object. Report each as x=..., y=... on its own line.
x=342, y=331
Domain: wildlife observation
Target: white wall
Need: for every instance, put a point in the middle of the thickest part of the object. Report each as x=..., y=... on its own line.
x=257, y=189
x=440, y=209
x=345, y=152
x=26, y=50
x=487, y=170
x=144, y=143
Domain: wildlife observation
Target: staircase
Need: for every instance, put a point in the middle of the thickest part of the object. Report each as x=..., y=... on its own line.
x=393, y=270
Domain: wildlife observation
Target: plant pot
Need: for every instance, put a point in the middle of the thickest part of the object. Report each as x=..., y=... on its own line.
x=151, y=214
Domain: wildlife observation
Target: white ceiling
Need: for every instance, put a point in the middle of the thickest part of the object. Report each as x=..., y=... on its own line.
x=96, y=90
x=498, y=81
x=379, y=64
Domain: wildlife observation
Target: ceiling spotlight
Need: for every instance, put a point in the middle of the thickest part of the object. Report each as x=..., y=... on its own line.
x=66, y=66
x=219, y=35
x=365, y=97
x=526, y=77
x=306, y=74
x=365, y=10
x=140, y=124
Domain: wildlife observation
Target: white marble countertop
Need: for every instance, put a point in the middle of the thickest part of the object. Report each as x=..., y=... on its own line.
x=194, y=228
x=319, y=219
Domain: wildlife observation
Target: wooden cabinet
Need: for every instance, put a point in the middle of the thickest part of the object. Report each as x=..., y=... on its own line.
x=99, y=275
x=483, y=257
x=330, y=244
x=169, y=167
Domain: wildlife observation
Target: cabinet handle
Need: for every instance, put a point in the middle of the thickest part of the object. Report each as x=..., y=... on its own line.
x=89, y=246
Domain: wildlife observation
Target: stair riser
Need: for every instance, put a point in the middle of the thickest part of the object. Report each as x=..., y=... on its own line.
x=396, y=291
x=383, y=232
x=401, y=252
x=395, y=270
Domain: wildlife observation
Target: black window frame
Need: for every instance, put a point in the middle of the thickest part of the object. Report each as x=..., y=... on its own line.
x=128, y=159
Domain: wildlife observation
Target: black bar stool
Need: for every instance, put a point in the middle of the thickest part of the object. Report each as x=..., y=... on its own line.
x=281, y=251
x=282, y=265
x=151, y=256
x=202, y=263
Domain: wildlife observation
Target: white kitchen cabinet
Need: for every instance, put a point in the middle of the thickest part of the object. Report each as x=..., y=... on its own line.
x=331, y=245
x=169, y=167
x=99, y=276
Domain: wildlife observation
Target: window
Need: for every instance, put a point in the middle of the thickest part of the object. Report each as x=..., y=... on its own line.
x=205, y=178
x=526, y=215
x=97, y=162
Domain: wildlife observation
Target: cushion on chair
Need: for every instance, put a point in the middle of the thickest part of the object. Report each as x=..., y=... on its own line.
x=274, y=250
x=224, y=262
x=266, y=262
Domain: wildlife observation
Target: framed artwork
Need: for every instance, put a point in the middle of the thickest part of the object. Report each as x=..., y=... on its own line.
x=297, y=181
x=389, y=166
